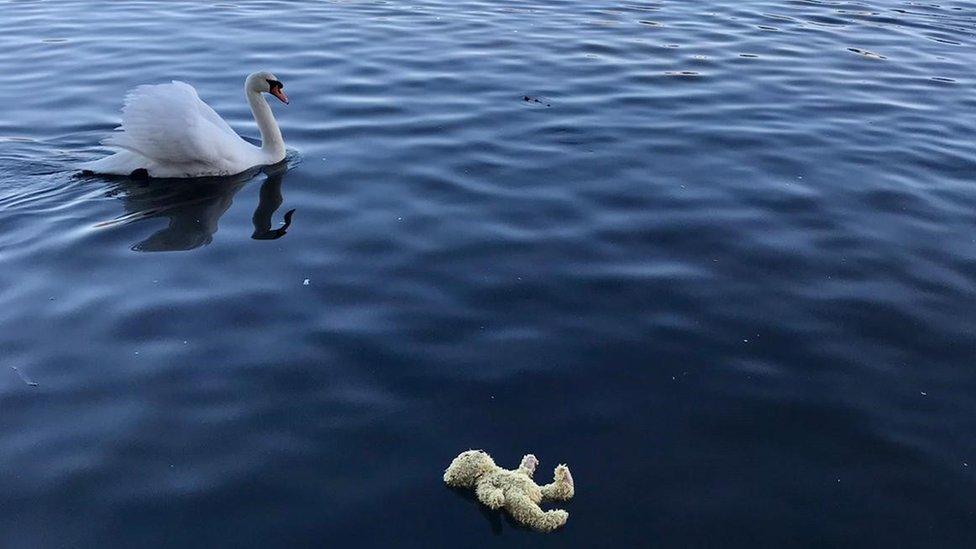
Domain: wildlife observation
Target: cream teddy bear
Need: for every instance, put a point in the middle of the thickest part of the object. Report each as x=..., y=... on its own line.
x=514, y=491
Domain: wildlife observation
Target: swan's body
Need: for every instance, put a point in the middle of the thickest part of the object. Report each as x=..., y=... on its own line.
x=168, y=131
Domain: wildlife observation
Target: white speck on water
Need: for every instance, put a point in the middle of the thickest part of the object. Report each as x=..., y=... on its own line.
x=399, y=219
x=745, y=341
x=306, y=282
x=924, y=393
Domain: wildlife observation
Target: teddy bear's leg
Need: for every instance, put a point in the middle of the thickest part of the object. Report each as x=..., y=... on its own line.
x=491, y=496
x=525, y=511
x=528, y=465
x=561, y=487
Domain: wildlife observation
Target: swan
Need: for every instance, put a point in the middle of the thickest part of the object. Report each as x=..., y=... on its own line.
x=168, y=131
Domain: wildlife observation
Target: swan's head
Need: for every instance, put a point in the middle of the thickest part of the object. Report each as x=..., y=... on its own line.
x=265, y=82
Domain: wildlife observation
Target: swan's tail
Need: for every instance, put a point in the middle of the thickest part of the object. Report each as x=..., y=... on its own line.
x=124, y=162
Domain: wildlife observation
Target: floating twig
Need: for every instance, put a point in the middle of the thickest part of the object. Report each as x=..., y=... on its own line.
x=24, y=377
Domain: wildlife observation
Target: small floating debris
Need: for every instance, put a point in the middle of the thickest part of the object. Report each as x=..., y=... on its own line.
x=306, y=282
x=681, y=73
x=536, y=100
x=866, y=53
x=943, y=79
x=24, y=377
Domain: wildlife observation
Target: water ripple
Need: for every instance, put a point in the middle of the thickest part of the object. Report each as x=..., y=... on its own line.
x=729, y=244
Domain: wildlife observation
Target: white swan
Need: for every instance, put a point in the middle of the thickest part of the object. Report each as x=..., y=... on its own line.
x=168, y=131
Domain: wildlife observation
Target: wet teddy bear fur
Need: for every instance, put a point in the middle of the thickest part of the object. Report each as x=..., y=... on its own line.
x=513, y=491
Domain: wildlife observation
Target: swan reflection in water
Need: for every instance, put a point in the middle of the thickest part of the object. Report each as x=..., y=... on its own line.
x=195, y=207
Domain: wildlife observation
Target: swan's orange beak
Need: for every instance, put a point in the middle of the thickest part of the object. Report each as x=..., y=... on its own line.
x=280, y=94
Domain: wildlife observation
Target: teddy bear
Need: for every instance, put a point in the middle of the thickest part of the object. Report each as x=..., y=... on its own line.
x=514, y=491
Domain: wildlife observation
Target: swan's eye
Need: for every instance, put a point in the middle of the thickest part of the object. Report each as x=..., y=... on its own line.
x=275, y=84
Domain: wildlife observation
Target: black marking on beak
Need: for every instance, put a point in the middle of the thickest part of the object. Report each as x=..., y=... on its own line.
x=276, y=89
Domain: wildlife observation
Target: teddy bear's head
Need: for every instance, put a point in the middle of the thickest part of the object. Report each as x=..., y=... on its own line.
x=467, y=467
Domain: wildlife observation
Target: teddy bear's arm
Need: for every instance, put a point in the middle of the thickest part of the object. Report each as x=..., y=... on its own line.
x=525, y=511
x=528, y=465
x=490, y=495
x=561, y=488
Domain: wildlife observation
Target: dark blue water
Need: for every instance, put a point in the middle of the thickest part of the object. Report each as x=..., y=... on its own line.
x=724, y=267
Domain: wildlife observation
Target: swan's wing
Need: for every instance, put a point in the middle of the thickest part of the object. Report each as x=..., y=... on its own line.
x=207, y=111
x=169, y=123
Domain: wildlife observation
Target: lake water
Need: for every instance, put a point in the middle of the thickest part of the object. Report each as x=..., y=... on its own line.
x=719, y=257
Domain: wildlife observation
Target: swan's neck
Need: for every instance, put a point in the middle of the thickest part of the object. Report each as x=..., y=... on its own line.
x=272, y=145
